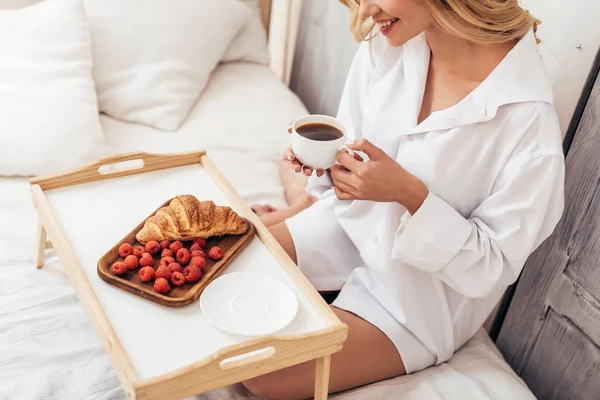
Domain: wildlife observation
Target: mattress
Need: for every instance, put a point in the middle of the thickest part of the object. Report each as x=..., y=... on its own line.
x=48, y=349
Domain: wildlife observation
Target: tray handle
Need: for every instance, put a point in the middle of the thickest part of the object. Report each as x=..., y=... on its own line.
x=245, y=360
x=259, y=350
x=116, y=166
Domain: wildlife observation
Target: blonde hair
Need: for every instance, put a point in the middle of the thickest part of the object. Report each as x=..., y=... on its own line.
x=478, y=21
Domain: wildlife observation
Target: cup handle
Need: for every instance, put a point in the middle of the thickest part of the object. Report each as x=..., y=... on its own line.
x=347, y=149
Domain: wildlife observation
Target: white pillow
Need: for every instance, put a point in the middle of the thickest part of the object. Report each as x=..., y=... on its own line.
x=250, y=44
x=48, y=112
x=153, y=58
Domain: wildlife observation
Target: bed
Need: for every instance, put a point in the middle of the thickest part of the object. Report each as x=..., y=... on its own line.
x=47, y=347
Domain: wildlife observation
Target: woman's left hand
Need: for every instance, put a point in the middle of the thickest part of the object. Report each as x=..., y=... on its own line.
x=380, y=179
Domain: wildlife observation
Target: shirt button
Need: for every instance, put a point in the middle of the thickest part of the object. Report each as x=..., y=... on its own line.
x=410, y=138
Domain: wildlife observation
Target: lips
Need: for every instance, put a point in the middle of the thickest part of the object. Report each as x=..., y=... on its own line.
x=385, y=26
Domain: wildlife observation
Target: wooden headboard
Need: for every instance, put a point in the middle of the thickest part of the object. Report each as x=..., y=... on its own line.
x=551, y=333
x=281, y=19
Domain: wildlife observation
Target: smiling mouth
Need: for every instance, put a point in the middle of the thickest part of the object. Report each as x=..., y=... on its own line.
x=385, y=24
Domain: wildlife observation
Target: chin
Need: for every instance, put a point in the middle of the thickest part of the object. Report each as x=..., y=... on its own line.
x=398, y=37
x=397, y=41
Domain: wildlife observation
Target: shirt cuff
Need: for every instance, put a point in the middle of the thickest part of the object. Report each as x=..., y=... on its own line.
x=432, y=237
x=319, y=186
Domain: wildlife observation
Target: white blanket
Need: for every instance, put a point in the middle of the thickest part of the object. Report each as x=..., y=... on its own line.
x=47, y=347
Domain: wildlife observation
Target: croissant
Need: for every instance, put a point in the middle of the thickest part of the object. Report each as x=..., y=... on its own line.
x=186, y=218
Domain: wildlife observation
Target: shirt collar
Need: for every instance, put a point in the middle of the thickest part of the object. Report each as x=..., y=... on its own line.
x=520, y=77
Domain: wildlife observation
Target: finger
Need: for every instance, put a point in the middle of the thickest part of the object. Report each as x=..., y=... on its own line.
x=288, y=154
x=296, y=166
x=346, y=188
x=320, y=173
x=368, y=148
x=307, y=171
x=349, y=162
x=342, y=195
x=344, y=176
x=290, y=126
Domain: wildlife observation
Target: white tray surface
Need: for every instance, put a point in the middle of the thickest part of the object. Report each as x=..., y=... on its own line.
x=157, y=339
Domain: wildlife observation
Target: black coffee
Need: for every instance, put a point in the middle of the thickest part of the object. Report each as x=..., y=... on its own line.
x=319, y=132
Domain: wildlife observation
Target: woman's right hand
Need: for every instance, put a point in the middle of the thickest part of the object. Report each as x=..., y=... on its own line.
x=288, y=154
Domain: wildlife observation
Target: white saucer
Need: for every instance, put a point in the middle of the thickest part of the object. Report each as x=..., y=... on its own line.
x=248, y=304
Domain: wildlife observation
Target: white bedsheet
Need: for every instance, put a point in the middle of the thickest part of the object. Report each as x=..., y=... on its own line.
x=47, y=347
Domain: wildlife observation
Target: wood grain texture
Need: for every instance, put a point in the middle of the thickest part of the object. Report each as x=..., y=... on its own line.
x=41, y=245
x=178, y=296
x=322, y=377
x=324, y=51
x=568, y=371
x=558, y=296
x=115, y=167
x=208, y=374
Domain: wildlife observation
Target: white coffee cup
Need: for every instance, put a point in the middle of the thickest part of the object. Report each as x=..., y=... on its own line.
x=318, y=154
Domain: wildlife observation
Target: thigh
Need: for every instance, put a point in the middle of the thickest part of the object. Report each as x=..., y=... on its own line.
x=282, y=235
x=367, y=356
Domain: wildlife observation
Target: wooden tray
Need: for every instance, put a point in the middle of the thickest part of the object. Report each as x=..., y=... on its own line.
x=130, y=281
x=64, y=204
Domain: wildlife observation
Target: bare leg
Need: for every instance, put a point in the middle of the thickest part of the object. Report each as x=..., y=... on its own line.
x=294, y=189
x=367, y=356
x=294, y=183
x=283, y=236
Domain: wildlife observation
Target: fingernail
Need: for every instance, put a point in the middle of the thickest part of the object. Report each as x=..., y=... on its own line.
x=290, y=158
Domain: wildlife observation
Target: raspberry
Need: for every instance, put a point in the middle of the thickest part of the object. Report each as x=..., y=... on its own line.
x=138, y=251
x=192, y=273
x=166, y=261
x=163, y=272
x=177, y=279
x=125, y=250
x=174, y=267
x=131, y=262
x=165, y=244
x=199, y=262
x=119, y=268
x=215, y=253
x=195, y=246
x=147, y=274
x=200, y=241
x=197, y=253
x=183, y=256
x=161, y=285
x=167, y=253
x=146, y=260
x=153, y=247
x=175, y=246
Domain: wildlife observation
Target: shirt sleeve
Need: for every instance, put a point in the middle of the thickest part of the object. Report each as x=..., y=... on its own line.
x=351, y=108
x=488, y=249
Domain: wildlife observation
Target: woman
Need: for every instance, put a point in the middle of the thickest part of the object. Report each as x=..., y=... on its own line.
x=464, y=179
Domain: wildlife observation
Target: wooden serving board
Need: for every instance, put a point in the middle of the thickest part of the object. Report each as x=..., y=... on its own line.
x=130, y=281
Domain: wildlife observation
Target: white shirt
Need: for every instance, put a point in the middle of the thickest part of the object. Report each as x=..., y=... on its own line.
x=494, y=166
